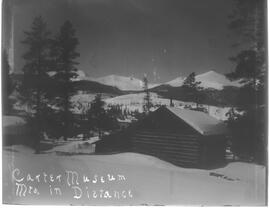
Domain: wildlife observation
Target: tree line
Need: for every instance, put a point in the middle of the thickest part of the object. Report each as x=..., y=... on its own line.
x=50, y=66
x=47, y=86
x=249, y=136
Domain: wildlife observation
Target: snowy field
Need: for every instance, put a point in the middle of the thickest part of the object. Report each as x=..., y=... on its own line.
x=81, y=102
x=139, y=180
x=135, y=102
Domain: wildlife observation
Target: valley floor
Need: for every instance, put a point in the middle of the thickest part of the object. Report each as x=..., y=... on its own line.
x=138, y=180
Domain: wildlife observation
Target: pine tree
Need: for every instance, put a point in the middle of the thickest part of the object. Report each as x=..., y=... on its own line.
x=97, y=114
x=147, y=98
x=6, y=83
x=193, y=88
x=35, y=79
x=248, y=130
x=64, y=55
x=248, y=22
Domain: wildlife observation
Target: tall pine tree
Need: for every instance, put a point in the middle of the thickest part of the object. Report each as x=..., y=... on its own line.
x=6, y=83
x=35, y=79
x=147, y=98
x=64, y=55
x=248, y=129
x=97, y=114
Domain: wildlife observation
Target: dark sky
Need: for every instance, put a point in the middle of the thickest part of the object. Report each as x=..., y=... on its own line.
x=163, y=38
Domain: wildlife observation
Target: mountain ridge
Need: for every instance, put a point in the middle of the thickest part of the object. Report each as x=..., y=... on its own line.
x=210, y=79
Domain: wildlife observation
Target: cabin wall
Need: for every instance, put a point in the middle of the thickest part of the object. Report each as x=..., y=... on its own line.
x=181, y=150
x=213, y=149
x=167, y=137
x=117, y=142
x=13, y=135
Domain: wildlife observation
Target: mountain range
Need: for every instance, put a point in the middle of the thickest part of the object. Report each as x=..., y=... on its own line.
x=210, y=79
x=218, y=90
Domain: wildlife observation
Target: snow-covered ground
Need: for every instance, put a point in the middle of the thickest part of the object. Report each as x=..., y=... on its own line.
x=177, y=82
x=75, y=147
x=140, y=180
x=81, y=102
x=135, y=102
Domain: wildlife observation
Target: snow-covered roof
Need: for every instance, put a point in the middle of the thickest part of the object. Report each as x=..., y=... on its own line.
x=200, y=121
x=12, y=121
x=124, y=120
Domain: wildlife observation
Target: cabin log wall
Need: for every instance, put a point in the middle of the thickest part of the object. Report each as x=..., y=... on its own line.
x=182, y=150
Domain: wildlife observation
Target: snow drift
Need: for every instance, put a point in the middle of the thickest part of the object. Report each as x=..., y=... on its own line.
x=150, y=180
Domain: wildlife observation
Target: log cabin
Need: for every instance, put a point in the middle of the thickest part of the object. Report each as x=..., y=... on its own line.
x=14, y=130
x=183, y=137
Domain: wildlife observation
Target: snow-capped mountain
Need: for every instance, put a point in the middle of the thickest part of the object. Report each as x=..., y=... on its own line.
x=80, y=75
x=121, y=82
x=215, y=80
x=210, y=79
x=176, y=82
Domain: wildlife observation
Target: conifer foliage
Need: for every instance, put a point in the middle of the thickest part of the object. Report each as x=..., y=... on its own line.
x=63, y=59
x=192, y=88
x=35, y=80
x=147, y=98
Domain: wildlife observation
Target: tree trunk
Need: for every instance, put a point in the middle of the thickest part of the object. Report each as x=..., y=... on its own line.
x=38, y=125
x=66, y=101
x=38, y=116
x=66, y=112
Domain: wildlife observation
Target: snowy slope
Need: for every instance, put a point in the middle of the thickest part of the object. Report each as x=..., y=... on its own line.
x=80, y=75
x=210, y=79
x=121, y=82
x=150, y=180
x=81, y=101
x=176, y=82
x=135, y=102
x=215, y=80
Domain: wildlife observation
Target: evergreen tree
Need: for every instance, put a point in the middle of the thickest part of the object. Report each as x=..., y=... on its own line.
x=147, y=98
x=248, y=23
x=63, y=58
x=7, y=85
x=35, y=79
x=248, y=129
x=97, y=114
x=192, y=88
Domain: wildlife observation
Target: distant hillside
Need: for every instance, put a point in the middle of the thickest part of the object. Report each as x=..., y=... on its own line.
x=95, y=87
x=82, y=85
x=162, y=88
x=218, y=90
x=225, y=97
x=209, y=80
x=123, y=83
